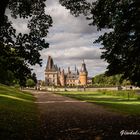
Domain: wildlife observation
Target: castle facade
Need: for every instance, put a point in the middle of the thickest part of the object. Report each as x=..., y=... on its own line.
x=55, y=76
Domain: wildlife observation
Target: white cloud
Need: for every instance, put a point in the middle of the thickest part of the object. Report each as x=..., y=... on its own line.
x=71, y=40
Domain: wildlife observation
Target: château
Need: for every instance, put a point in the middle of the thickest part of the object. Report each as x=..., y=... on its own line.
x=55, y=76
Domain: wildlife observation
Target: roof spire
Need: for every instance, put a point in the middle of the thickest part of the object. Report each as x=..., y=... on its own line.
x=68, y=69
x=83, y=61
x=75, y=68
x=83, y=67
x=50, y=64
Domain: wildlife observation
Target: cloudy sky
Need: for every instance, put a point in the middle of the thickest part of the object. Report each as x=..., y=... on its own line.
x=71, y=40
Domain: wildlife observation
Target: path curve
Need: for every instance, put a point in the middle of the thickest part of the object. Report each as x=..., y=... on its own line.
x=64, y=118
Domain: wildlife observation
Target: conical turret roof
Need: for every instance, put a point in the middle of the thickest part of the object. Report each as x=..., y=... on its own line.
x=83, y=67
x=50, y=64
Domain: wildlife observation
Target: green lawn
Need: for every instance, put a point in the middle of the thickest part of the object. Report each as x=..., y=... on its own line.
x=114, y=100
x=18, y=115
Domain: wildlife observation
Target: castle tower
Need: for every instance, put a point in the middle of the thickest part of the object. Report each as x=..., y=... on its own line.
x=50, y=64
x=69, y=70
x=62, y=78
x=83, y=74
x=51, y=73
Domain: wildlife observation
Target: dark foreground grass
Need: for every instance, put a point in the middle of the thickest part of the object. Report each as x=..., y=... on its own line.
x=113, y=100
x=18, y=115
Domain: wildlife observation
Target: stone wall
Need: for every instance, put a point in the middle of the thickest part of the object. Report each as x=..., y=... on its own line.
x=77, y=89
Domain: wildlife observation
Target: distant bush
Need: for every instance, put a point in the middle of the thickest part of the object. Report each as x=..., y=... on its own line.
x=103, y=80
x=17, y=86
x=30, y=83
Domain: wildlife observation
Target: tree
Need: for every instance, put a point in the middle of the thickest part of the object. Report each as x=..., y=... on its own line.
x=77, y=7
x=30, y=44
x=30, y=83
x=18, y=51
x=21, y=8
x=33, y=77
x=121, y=46
x=103, y=80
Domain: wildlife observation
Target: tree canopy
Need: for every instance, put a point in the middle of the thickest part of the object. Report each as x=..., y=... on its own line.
x=30, y=83
x=18, y=51
x=102, y=80
x=121, y=46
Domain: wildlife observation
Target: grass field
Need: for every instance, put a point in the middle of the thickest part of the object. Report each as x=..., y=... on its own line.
x=18, y=115
x=114, y=100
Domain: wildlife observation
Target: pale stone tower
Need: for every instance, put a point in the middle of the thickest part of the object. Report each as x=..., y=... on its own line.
x=62, y=78
x=83, y=74
x=51, y=73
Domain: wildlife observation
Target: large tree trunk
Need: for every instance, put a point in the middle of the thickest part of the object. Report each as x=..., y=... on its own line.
x=3, y=6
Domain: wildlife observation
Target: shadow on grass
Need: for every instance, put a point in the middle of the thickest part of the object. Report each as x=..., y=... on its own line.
x=14, y=98
x=18, y=116
x=117, y=103
x=122, y=107
x=15, y=94
x=100, y=97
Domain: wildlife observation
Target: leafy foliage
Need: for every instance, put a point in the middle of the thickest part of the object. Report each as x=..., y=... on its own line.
x=30, y=83
x=121, y=45
x=76, y=7
x=103, y=80
x=18, y=115
x=13, y=65
x=18, y=51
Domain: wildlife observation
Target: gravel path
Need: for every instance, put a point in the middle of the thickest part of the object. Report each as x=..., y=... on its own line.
x=64, y=118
